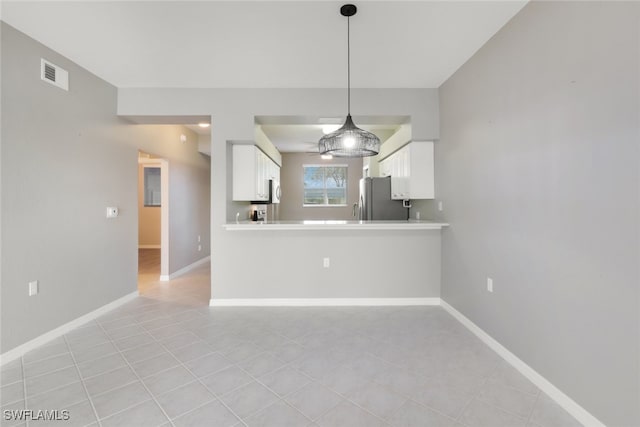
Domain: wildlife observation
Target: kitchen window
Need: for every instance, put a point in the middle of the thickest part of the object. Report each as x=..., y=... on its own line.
x=325, y=185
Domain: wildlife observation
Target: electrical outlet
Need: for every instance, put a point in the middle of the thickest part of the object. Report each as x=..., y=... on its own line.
x=199, y=248
x=198, y=238
x=489, y=284
x=440, y=207
x=33, y=288
x=418, y=215
x=112, y=212
x=326, y=262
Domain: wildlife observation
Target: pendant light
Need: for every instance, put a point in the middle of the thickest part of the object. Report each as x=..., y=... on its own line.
x=349, y=140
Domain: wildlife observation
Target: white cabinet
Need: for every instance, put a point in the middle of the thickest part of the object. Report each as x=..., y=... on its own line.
x=384, y=167
x=252, y=170
x=411, y=170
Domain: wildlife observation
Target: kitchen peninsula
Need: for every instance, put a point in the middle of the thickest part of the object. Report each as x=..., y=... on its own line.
x=333, y=225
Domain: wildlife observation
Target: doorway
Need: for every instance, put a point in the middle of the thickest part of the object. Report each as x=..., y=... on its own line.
x=153, y=220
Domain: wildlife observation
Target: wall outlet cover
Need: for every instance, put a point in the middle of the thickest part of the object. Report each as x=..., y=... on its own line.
x=33, y=288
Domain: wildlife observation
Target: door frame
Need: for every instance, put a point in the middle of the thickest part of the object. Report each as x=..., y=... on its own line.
x=164, y=212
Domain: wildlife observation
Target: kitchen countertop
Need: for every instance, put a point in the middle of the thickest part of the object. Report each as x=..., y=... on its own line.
x=334, y=225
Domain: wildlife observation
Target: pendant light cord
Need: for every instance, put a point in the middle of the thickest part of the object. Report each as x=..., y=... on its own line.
x=348, y=68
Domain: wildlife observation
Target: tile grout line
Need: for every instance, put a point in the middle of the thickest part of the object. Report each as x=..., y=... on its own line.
x=84, y=387
x=475, y=396
x=533, y=407
x=312, y=380
x=143, y=385
x=24, y=388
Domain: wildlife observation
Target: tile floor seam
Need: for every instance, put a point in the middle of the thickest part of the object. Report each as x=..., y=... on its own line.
x=411, y=399
x=520, y=390
x=155, y=373
x=116, y=387
x=143, y=385
x=24, y=388
x=291, y=406
x=125, y=409
x=84, y=386
x=368, y=411
x=52, y=390
x=215, y=399
x=256, y=380
x=45, y=358
x=477, y=393
x=198, y=380
x=533, y=407
x=493, y=405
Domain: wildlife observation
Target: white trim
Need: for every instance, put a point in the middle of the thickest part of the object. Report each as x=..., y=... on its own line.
x=164, y=217
x=148, y=246
x=61, y=330
x=188, y=268
x=569, y=405
x=410, y=225
x=307, y=302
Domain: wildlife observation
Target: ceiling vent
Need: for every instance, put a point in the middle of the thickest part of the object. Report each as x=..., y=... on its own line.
x=53, y=74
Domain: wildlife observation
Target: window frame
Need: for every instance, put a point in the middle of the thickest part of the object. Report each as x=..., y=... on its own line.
x=145, y=187
x=326, y=205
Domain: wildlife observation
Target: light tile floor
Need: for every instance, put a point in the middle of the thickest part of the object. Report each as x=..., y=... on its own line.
x=152, y=363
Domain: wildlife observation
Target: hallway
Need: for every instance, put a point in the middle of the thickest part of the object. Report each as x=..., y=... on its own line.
x=192, y=288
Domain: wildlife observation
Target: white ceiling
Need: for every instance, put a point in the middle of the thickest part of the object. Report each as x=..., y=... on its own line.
x=240, y=44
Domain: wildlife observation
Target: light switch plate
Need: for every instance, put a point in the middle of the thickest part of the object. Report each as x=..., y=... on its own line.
x=33, y=288
x=112, y=212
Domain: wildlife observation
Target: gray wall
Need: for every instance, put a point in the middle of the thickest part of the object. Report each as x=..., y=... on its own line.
x=538, y=170
x=291, y=181
x=66, y=156
x=233, y=114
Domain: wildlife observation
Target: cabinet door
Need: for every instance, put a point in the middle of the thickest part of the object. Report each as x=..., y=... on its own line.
x=385, y=167
x=244, y=172
x=399, y=175
x=421, y=168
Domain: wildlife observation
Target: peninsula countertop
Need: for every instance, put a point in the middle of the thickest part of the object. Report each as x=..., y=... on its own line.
x=333, y=225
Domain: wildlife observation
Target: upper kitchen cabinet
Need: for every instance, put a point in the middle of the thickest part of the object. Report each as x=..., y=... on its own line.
x=411, y=170
x=252, y=170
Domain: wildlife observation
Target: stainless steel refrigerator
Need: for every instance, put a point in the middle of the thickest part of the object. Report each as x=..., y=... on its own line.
x=375, y=201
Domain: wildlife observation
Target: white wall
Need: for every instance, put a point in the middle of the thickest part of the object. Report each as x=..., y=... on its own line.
x=538, y=169
x=66, y=156
x=233, y=112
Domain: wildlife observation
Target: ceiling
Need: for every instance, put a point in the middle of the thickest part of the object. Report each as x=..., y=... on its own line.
x=268, y=44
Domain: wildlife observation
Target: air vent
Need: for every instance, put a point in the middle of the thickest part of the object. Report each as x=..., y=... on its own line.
x=53, y=74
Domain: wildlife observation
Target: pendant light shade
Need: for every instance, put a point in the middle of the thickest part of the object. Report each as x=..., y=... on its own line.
x=349, y=140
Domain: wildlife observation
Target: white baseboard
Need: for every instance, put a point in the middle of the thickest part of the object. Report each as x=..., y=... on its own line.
x=188, y=268
x=149, y=246
x=308, y=302
x=19, y=351
x=569, y=405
